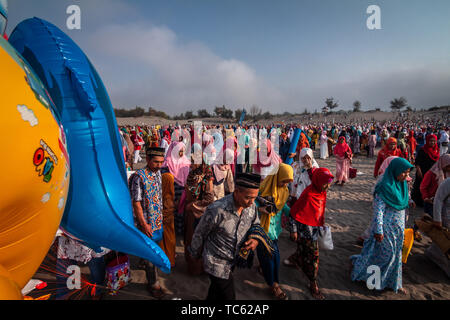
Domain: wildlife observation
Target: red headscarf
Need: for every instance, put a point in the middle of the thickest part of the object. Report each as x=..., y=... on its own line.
x=388, y=152
x=341, y=148
x=432, y=152
x=412, y=142
x=309, y=209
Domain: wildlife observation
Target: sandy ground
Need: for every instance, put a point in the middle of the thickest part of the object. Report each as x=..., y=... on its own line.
x=347, y=118
x=349, y=211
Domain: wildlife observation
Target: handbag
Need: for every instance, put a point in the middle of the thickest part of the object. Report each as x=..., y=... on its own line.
x=117, y=273
x=352, y=172
x=325, y=239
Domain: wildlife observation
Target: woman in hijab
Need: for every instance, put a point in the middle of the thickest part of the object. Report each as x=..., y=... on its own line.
x=199, y=194
x=372, y=143
x=315, y=139
x=178, y=165
x=412, y=145
x=356, y=141
x=153, y=138
x=284, y=146
x=324, y=145
x=441, y=220
x=223, y=177
x=431, y=181
x=306, y=216
x=267, y=160
x=138, y=142
x=302, y=172
x=384, y=165
x=384, y=247
x=344, y=156
x=230, y=149
x=402, y=145
x=165, y=142
x=130, y=149
x=390, y=149
x=443, y=141
x=274, y=189
x=426, y=158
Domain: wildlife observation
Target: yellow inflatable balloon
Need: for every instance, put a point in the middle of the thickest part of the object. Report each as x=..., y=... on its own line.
x=36, y=172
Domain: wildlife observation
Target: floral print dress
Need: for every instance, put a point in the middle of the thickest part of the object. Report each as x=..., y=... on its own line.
x=387, y=254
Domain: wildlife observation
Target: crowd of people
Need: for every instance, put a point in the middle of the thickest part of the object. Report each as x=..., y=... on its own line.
x=228, y=191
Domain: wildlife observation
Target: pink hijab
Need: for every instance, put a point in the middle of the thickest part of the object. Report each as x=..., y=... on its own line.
x=178, y=167
x=438, y=167
x=272, y=158
x=384, y=166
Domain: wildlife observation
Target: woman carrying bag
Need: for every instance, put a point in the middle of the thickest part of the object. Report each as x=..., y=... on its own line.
x=307, y=216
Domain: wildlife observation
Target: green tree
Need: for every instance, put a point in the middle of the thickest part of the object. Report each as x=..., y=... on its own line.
x=189, y=115
x=203, y=113
x=267, y=115
x=330, y=104
x=356, y=106
x=398, y=104
x=223, y=112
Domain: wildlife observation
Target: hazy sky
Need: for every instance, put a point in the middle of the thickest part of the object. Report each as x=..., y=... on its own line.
x=286, y=55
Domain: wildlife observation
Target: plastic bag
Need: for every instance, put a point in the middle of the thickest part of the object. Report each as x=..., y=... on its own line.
x=325, y=239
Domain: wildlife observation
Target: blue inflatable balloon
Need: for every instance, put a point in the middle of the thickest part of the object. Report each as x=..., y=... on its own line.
x=98, y=209
x=293, y=145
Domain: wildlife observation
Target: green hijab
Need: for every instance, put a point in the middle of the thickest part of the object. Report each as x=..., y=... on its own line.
x=392, y=191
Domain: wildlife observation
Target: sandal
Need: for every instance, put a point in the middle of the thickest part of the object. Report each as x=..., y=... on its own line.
x=402, y=291
x=278, y=293
x=157, y=293
x=315, y=292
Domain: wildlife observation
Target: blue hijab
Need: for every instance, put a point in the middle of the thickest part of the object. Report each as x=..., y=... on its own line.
x=392, y=191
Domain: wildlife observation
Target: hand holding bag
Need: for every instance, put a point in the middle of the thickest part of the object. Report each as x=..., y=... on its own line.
x=325, y=239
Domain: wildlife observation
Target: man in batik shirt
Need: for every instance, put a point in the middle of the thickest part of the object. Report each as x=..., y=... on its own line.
x=222, y=232
x=146, y=196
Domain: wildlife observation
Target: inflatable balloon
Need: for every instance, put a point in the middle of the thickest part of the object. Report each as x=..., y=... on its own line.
x=3, y=16
x=98, y=209
x=35, y=180
x=293, y=145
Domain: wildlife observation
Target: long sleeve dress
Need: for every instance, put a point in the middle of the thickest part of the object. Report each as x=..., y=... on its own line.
x=387, y=254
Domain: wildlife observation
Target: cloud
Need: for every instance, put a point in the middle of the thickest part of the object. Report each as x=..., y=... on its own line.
x=150, y=65
x=158, y=69
x=423, y=86
x=27, y=115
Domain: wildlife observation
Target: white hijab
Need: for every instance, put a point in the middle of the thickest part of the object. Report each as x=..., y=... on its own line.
x=301, y=177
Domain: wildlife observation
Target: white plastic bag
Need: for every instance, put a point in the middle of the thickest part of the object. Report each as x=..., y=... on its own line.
x=325, y=239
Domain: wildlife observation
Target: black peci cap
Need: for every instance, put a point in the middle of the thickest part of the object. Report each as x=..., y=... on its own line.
x=155, y=152
x=248, y=180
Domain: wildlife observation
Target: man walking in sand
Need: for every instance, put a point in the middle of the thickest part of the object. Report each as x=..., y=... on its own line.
x=146, y=196
x=222, y=232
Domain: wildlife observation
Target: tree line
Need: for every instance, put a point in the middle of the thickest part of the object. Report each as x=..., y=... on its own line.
x=255, y=113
